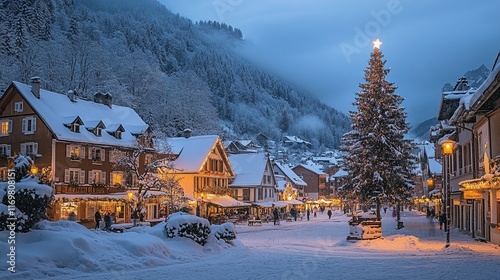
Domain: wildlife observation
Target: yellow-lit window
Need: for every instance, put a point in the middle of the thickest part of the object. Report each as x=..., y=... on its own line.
x=6, y=127
x=117, y=178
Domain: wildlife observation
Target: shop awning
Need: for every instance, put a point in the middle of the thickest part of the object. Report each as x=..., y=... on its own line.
x=293, y=202
x=270, y=204
x=226, y=201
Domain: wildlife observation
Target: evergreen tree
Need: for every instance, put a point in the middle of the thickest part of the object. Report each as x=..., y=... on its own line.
x=376, y=155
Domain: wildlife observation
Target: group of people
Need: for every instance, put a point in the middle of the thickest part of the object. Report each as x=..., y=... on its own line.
x=431, y=214
x=108, y=220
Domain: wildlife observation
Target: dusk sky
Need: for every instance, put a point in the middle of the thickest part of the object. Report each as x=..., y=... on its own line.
x=323, y=46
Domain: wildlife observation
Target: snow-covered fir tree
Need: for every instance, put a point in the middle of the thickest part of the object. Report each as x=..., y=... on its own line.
x=376, y=155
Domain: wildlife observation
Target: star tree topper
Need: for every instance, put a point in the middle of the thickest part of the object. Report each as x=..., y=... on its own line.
x=376, y=44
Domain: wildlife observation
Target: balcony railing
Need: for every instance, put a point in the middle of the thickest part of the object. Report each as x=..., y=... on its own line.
x=87, y=189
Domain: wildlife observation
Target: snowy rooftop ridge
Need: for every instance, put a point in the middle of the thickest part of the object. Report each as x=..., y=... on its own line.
x=57, y=110
x=480, y=91
x=313, y=169
x=248, y=168
x=290, y=174
x=191, y=151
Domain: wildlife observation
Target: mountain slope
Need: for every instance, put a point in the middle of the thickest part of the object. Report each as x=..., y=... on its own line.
x=177, y=74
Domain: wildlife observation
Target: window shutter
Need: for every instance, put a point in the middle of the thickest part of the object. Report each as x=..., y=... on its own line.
x=24, y=124
x=10, y=126
x=124, y=180
x=23, y=149
x=66, y=175
x=33, y=124
x=7, y=150
x=82, y=149
x=68, y=151
x=103, y=155
x=90, y=152
x=35, y=148
x=82, y=176
x=91, y=177
x=103, y=177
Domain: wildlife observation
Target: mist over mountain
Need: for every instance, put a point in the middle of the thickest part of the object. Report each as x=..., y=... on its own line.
x=176, y=74
x=420, y=132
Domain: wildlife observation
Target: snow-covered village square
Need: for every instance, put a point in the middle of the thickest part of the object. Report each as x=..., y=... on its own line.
x=249, y=139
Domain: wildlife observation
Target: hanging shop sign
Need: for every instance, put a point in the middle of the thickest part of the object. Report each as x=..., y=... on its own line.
x=473, y=195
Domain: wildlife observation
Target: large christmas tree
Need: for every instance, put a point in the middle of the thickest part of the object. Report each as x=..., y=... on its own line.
x=376, y=156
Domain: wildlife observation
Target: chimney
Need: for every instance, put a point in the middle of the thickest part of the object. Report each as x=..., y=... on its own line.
x=103, y=98
x=72, y=95
x=35, y=86
x=187, y=132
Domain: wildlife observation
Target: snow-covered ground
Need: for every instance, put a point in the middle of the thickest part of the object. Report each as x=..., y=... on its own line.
x=315, y=249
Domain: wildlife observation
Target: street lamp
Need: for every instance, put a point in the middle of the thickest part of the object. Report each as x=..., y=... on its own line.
x=430, y=184
x=447, y=150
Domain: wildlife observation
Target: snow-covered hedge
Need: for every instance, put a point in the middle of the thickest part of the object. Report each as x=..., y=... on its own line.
x=181, y=224
x=225, y=232
x=29, y=201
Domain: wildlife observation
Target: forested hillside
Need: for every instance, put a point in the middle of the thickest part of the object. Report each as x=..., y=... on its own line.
x=177, y=74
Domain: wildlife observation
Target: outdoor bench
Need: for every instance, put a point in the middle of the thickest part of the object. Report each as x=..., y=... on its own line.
x=254, y=222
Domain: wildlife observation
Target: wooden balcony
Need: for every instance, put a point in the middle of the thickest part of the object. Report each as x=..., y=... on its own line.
x=87, y=189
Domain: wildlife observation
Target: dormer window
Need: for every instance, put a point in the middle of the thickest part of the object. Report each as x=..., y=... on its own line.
x=75, y=127
x=95, y=127
x=98, y=131
x=73, y=123
x=116, y=130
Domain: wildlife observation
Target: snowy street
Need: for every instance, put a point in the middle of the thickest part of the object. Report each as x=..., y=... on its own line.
x=315, y=249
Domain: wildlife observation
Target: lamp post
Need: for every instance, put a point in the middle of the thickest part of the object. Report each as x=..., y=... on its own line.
x=447, y=150
x=133, y=214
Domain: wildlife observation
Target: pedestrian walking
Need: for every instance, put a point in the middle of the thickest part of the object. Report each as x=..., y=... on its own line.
x=107, y=221
x=97, y=218
x=315, y=210
x=72, y=216
x=276, y=216
x=329, y=214
x=442, y=220
x=308, y=213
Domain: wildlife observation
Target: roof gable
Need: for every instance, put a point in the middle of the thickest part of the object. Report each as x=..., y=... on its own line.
x=249, y=168
x=290, y=174
x=192, y=152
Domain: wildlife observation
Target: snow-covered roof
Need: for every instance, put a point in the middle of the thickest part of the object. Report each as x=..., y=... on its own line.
x=191, y=151
x=479, y=98
x=248, y=168
x=226, y=201
x=450, y=101
x=290, y=174
x=57, y=109
x=281, y=185
x=295, y=139
x=313, y=169
x=331, y=159
x=340, y=173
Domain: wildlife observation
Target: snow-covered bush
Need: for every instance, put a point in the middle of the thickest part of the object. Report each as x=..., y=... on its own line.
x=29, y=201
x=181, y=224
x=225, y=232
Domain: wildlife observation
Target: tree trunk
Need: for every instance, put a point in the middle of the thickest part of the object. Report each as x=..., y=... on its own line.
x=378, y=209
